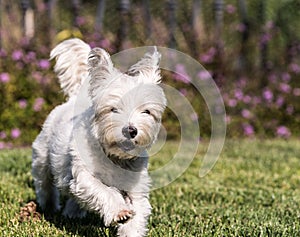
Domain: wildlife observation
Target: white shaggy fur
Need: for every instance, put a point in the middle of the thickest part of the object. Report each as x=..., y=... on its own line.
x=97, y=156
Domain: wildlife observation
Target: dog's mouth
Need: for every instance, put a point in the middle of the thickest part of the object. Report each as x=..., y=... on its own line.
x=126, y=145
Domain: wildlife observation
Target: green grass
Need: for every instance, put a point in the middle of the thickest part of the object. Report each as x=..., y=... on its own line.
x=254, y=190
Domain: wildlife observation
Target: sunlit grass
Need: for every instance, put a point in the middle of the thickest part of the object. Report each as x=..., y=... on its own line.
x=253, y=190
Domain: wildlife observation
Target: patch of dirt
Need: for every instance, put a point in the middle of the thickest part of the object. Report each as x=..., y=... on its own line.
x=29, y=212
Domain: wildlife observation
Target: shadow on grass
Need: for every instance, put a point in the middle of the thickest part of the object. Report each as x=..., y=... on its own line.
x=91, y=225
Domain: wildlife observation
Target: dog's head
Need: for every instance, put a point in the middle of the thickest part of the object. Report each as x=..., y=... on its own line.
x=128, y=106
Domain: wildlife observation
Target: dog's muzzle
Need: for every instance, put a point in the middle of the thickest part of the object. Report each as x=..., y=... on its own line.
x=126, y=145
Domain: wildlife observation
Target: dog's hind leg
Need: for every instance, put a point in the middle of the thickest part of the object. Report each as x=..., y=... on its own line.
x=47, y=193
x=73, y=209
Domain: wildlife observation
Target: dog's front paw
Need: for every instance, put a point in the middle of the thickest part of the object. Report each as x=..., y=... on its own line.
x=123, y=216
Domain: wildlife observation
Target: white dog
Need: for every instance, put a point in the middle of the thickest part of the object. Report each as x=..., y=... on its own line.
x=96, y=156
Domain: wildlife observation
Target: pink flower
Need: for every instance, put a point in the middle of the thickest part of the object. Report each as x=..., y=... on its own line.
x=38, y=103
x=285, y=87
x=268, y=95
x=280, y=101
x=194, y=116
x=272, y=78
x=283, y=131
x=295, y=68
x=241, y=27
x=44, y=64
x=230, y=9
x=246, y=113
x=30, y=56
x=246, y=99
x=17, y=55
x=2, y=145
x=181, y=74
x=208, y=57
x=22, y=103
x=232, y=102
x=2, y=135
x=265, y=38
x=37, y=76
x=296, y=92
x=286, y=77
x=248, y=129
x=290, y=110
x=15, y=133
x=204, y=75
x=183, y=91
x=238, y=94
x=3, y=53
x=80, y=20
x=4, y=77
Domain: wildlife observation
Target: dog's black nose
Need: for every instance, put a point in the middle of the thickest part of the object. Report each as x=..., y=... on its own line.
x=129, y=132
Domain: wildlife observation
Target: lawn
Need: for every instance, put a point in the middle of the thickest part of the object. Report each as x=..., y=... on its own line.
x=253, y=190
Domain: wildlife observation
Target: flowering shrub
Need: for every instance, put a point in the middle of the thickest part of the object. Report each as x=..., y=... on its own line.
x=259, y=101
x=29, y=91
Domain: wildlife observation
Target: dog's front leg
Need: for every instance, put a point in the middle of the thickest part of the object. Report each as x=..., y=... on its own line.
x=137, y=226
x=95, y=196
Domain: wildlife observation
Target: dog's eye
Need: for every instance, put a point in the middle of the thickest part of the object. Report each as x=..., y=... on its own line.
x=146, y=111
x=114, y=110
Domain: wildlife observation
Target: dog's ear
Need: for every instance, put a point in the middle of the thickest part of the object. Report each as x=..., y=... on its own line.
x=147, y=68
x=99, y=57
x=100, y=69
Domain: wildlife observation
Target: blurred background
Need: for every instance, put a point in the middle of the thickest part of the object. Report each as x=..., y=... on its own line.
x=251, y=48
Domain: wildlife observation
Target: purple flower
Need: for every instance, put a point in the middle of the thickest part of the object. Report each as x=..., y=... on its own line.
x=38, y=103
x=17, y=55
x=248, y=129
x=290, y=110
x=194, y=116
x=22, y=103
x=2, y=145
x=285, y=87
x=2, y=135
x=208, y=57
x=296, y=92
x=204, y=75
x=30, y=56
x=283, y=131
x=280, y=101
x=181, y=74
x=246, y=113
x=3, y=53
x=80, y=20
x=44, y=64
x=241, y=27
x=228, y=119
x=37, y=76
x=230, y=9
x=105, y=43
x=256, y=100
x=272, y=78
x=238, y=94
x=286, y=77
x=268, y=95
x=246, y=99
x=183, y=91
x=265, y=38
x=232, y=102
x=15, y=133
x=4, y=77
x=295, y=68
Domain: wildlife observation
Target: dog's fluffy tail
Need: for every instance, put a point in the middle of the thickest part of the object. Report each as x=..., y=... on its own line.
x=71, y=64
